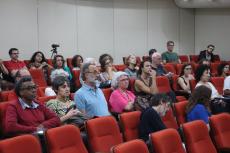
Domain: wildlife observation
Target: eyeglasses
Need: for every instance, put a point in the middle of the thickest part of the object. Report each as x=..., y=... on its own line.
x=14, y=53
x=127, y=79
x=29, y=87
x=94, y=72
x=189, y=68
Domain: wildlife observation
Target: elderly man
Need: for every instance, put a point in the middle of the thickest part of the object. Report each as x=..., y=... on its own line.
x=14, y=64
x=89, y=98
x=169, y=56
x=25, y=115
x=157, y=65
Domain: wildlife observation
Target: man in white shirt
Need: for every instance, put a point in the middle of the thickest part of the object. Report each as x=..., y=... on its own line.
x=227, y=86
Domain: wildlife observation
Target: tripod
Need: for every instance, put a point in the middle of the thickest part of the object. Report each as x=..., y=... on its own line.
x=54, y=52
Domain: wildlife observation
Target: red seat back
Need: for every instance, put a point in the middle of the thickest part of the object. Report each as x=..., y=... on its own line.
x=194, y=58
x=179, y=68
x=45, y=99
x=129, y=122
x=3, y=107
x=180, y=111
x=214, y=67
x=76, y=75
x=220, y=130
x=169, y=120
x=8, y=95
x=163, y=84
x=133, y=146
x=131, y=84
x=170, y=68
x=218, y=82
x=69, y=63
x=120, y=67
x=216, y=58
x=65, y=139
x=21, y=144
x=103, y=133
x=184, y=58
x=197, y=138
x=192, y=84
x=38, y=77
x=167, y=141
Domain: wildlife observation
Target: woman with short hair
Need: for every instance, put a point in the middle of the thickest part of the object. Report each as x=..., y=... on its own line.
x=121, y=99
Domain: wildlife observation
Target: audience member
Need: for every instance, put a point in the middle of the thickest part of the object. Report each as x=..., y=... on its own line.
x=77, y=61
x=107, y=69
x=151, y=52
x=121, y=99
x=204, y=61
x=5, y=79
x=198, y=107
x=150, y=120
x=169, y=56
x=227, y=86
x=38, y=61
x=207, y=54
x=132, y=68
x=14, y=64
x=26, y=115
x=89, y=98
x=63, y=106
x=183, y=80
x=59, y=63
x=223, y=70
x=158, y=67
x=202, y=77
x=21, y=73
x=145, y=85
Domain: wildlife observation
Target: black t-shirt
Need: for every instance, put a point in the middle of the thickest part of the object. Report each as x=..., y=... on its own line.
x=150, y=122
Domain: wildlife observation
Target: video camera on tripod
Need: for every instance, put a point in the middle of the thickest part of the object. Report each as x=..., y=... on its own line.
x=54, y=50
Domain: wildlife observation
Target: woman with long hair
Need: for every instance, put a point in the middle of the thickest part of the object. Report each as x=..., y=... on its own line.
x=198, y=107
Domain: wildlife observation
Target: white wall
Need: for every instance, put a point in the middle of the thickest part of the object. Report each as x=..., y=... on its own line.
x=93, y=27
x=212, y=26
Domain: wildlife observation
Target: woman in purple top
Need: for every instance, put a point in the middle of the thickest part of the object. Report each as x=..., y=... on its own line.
x=121, y=99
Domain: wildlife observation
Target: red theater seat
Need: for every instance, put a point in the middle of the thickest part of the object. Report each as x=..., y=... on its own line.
x=65, y=139
x=103, y=133
x=167, y=141
x=129, y=123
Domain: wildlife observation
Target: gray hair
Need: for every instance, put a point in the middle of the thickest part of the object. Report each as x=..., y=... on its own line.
x=84, y=68
x=116, y=78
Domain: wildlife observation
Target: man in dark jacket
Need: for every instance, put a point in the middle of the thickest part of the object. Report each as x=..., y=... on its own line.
x=207, y=54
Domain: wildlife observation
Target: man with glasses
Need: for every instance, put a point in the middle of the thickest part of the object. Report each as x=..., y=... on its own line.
x=169, y=56
x=25, y=115
x=89, y=98
x=14, y=64
x=207, y=54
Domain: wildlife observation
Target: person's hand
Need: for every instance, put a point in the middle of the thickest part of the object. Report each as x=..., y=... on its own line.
x=44, y=64
x=169, y=74
x=152, y=73
x=72, y=113
x=109, y=68
x=40, y=128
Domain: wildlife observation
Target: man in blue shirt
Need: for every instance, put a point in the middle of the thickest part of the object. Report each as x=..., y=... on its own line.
x=89, y=98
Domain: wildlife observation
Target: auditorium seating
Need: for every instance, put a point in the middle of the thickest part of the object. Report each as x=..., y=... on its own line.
x=38, y=77
x=133, y=146
x=170, y=68
x=184, y=58
x=76, y=77
x=194, y=58
x=120, y=67
x=179, y=68
x=197, y=139
x=192, y=84
x=103, y=133
x=129, y=124
x=69, y=63
x=3, y=107
x=218, y=82
x=169, y=120
x=21, y=144
x=220, y=131
x=180, y=111
x=167, y=141
x=65, y=139
x=214, y=67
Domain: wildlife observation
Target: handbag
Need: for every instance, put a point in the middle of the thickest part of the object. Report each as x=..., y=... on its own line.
x=142, y=102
